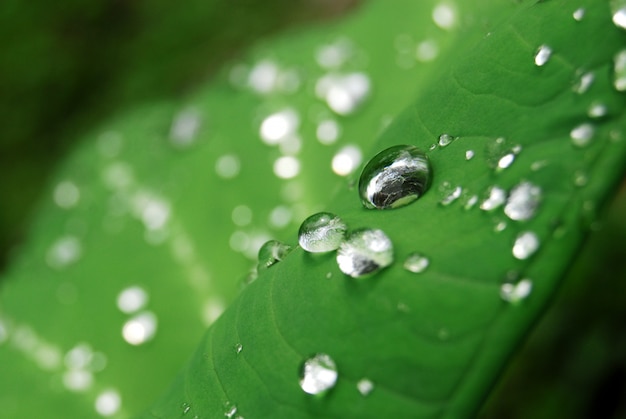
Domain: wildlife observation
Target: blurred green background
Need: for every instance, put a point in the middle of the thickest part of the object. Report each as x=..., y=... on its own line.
x=67, y=65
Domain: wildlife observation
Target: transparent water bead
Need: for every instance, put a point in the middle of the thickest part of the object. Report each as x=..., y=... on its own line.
x=523, y=201
x=394, y=177
x=445, y=139
x=579, y=14
x=449, y=193
x=321, y=232
x=619, y=67
x=416, y=263
x=526, y=244
x=505, y=161
x=185, y=127
x=318, y=374
x=272, y=252
x=140, y=328
x=444, y=15
x=495, y=198
x=231, y=411
x=346, y=160
x=469, y=155
x=132, y=299
x=584, y=83
x=365, y=386
x=582, y=134
x=597, y=110
x=108, y=402
x=543, y=55
x=515, y=293
x=364, y=252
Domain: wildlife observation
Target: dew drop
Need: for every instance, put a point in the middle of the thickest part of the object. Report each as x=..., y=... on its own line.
x=364, y=252
x=526, y=244
x=543, y=55
x=132, y=299
x=280, y=217
x=185, y=127
x=523, y=201
x=186, y=408
x=579, y=14
x=365, y=386
x=64, y=252
x=444, y=16
x=515, y=293
x=318, y=374
x=597, y=110
x=449, y=193
x=445, y=139
x=618, y=8
x=499, y=227
x=263, y=76
x=471, y=201
x=66, y=194
x=582, y=134
x=77, y=380
x=227, y=166
x=394, y=178
x=427, y=50
x=506, y=161
x=238, y=348
x=321, y=232
x=334, y=55
x=343, y=93
x=328, y=131
x=495, y=198
x=108, y=402
x=271, y=253
x=140, y=328
x=580, y=178
x=584, y=83
x=346, y=160
x=231, y=411
x=619, y=66
x=287, y=167
x=279, y=126
x=416, y=263
x=241, y=215
x=469, y=155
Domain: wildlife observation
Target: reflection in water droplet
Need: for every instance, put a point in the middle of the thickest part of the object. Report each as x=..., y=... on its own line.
x=365, y=386
x=321, y=232
x=427, y=50
x=515, y=293
x=140, y=328
x=445, y=139
x=271, y=253
x=364, y=252
x=526, y=244
x=328, y=131
x=287, y=167
x=66, y=194
x=469, y=154
x=108, y=402
x=343, y=93
x=279, y=126
x=241, y=215
x=579, y=14
x=66, y=251
x=347, y=160
x=416, y=263
x=543, y=55
x=185, y=127
x=394, y=177
x=618, y=8
x=227, y=166
x=444, y=16
x=597, y=110
x=582, y=134
x=523, y=201
x=584, y=83
x=496, y=197
x=318, y=374
x=619, y=68
x=132, y=299
x=449, y=193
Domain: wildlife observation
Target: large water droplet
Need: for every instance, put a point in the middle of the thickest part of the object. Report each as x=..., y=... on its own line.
x=523, y=201
x=364, y=252
x=395, y=177
x=543, y=55
x=619, y=78
x=582, y=134
x=495, y=198
x=272, y=252
x=515, y=293
x=321, y=232
x=526, y=244
x=318, y=374
x=416, y=263
x=365, y=386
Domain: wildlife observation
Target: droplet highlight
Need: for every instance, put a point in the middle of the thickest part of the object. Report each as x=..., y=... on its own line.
x=526, y=244
x=321, y=232
x=523, y=201
x=515, y=293
x=364, y=252
x=365, y=386
x=543, y=55
x=582, y=134
x=496, y=196
x=318, y=374
x=619, y=67
x=416, y=263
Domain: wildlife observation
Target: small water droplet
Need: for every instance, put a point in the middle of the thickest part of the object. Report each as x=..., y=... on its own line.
x=231, y=411
x=495, y=198
x=77, y=380
x=538, y=165
x=506, y=161
x=515, y=293
x=263, y=77
x=394, y=177
x=280, y=217
x=469, y=155
x=346, y=160
x=582, y=134
x=597, y=110
x=287, y=167
x=618, y=8
x=427, y=50
x=321, y=232
x=471, y=201
x=543, y=55
x=365, y=386
x=343, y=93
x=271, y=253
x=584, y=83
x=445, y=139
x=364, y=252
x=238, y=348
x=318, y=374
x=186, y=408
x=523, y=201
x=328, y=131
x=499, y=227
x=580, y=178
x=140, y=328
x=132, y=299
x=579, y=14
x=64, y=252
x=66, y=194
x=279, y=126
x=241, y=215
x=227, y=166
x=416, y=263
x=329, y=275
x=444, y=16
x=185, y=127
x=108, y=402
x=334, y=55
x=526, y=244
x=619, y=68
x=449, y=193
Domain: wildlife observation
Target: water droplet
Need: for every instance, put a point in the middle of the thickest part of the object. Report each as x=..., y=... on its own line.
x=449, y=193
x=499, y=227
x=227, y=166
x=271, y=253
x=263, y=77
x=471, y=201
x=321, y=232
x=347, y=160
x=619, y=67
x=334, y=55
x=241, y=215
x=543, y=55
x=469, y=154
x=427, y=50
x=318, y=374
x=538, y=165
x=416, y=263
x=343, y=93
x=328, y=131
x=495, y=198
x=445, y=139
x=279, y=126
x=580, y=178
x=515, y=293
x=185, y=127
x=186, y=408
x=364, y=252
x=526, y=244
x=280, y=217
x=140, y=328
x=579, y=14
x=506, y=161
x=584, y=83
x=66, y=194
x=238, y=348
x=108, y=402
x=64, y=252
x=132, y=299
x=77, y=380
x=287, y=167
x=444, y=16
x=597, y=110
x=582, y=134
x=231, y=411
x=523, y=201
x=365, y=386
x=395, y=177
x=618, y=8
